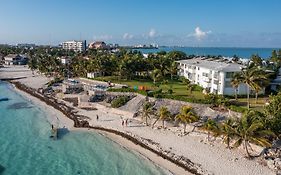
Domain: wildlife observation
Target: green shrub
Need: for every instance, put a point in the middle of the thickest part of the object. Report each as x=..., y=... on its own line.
x=142, y=92
x=198, y=88
x=119, y=101
x=170, y=91
x=237, y=108
x=187, y=99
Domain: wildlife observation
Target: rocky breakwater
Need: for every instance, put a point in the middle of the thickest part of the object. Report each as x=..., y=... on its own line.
x=79, y=120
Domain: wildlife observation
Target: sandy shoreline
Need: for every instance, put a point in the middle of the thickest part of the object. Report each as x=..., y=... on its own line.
x=203, y=157
x=54, y=115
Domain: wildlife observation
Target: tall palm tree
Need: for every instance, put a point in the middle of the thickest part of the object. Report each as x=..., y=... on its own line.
x=164, y=114
x=156, y=75
x=173, y=68
x=251, y=76
x=187, y=116
x=227, y=129
x=261, y=83
x=250, y=129
x=235, y=82
x=211, y=126
x=189, y=86
x=147, y=110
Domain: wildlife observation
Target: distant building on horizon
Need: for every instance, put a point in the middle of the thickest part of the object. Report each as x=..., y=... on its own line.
x=77, y=46
x=26, y=45
x=98, y=45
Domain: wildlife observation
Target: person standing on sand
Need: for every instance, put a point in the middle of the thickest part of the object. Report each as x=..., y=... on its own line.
x=126, y=122
x=123, y=123
x=97, y=117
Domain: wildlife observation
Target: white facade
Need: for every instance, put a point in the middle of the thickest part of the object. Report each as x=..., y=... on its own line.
x=15, y=59
x=213, y=75
x=93, y=74
x=74, y=45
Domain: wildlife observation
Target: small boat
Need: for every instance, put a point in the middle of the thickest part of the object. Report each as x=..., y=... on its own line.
x=4, y=99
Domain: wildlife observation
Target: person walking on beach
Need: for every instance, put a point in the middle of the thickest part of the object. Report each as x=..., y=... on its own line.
x=123, y=123
x=126, y=122
x=97, y=117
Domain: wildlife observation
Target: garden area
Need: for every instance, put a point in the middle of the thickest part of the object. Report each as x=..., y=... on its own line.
x=178, y=90
x=168, y=87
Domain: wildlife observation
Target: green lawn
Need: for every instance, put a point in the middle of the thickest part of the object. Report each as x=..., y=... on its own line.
x=179, y=89
x=257, y=106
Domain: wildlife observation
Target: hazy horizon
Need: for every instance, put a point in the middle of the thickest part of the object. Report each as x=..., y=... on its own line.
x=200, y=23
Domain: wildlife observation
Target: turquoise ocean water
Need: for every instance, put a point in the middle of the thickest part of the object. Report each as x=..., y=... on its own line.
x=26, y=149
x=224, y=51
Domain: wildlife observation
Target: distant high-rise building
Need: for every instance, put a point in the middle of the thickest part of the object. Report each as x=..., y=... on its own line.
x=74, y=45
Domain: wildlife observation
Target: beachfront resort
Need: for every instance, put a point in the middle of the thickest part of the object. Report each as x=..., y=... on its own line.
x=140, y=87
x=201, y=103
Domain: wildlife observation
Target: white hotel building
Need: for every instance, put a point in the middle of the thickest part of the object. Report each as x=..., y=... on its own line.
x=74, y=45
x=213, y=75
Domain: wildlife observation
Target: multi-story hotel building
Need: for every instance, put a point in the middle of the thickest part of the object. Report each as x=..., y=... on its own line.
x=77, y=46
x=213, y=75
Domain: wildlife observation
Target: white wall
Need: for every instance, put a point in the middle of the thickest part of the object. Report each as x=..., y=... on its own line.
x=220, y=85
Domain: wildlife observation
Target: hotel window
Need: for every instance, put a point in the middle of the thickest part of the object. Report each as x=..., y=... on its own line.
x=229, y=74
x=205, y=74
x=216, y=82
x=227, y=84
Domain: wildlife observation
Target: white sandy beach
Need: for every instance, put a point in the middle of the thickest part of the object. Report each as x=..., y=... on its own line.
x=211, y=158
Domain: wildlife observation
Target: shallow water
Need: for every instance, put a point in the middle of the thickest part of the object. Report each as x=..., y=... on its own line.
x=25, y=146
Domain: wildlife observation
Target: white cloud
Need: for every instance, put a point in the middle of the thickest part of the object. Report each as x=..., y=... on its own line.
x=127, y=36
x=199, y=34
x=152, y=33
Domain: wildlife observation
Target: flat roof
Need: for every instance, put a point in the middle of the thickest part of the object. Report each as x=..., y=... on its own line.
x=211, y=64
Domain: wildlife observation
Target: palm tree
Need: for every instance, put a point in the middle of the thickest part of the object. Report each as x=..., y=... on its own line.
x=227, y=129
x=235, y=82
x=187, y=116
x=147, y=110
x=261, y=84
x=156, y=75
x=164, y=114
x=250, y=129
x=251, y=76
x=189, y=86
x=173, y=68
x=211, y=126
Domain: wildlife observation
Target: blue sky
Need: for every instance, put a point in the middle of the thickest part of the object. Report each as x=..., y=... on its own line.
x=227, y=23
